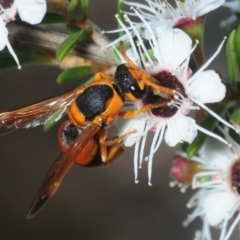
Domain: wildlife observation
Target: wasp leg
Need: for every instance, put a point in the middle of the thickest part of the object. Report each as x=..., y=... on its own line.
x=131, y=114
x=109, y=148
x=151, y=81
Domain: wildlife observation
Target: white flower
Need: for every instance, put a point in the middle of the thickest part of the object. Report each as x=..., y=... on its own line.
x=217, y=201
x=31, y=11
x=160, y=10
x=160, y=13
x=165, y=54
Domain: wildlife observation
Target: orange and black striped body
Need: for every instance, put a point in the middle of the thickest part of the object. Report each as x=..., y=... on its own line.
x=89, y=155
x=98, y=103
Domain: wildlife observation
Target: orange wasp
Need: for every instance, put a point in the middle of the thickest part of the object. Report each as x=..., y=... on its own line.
x=91, y=109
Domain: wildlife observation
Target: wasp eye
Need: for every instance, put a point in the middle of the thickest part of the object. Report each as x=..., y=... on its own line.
x=138, y=93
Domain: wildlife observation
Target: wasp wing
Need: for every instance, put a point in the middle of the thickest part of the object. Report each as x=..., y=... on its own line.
x=36, y=114
x=60, y=168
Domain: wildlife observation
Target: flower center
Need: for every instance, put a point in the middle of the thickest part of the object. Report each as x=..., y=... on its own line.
x=165, y=79
x=235, y=175
x=6, y=3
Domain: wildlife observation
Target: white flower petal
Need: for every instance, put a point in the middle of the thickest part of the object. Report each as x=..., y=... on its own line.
x=204, y=7
x=175, y=46
x=9, y=13
x=125, y=126
x=182, y=128
x=216, y=154
x=3, y=34
x=186, y=128
x=171, y=136
x=218, y=205
x=31, y=11
x=207, y=87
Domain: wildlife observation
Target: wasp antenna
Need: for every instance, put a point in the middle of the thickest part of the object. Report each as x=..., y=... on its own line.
x=124, y=55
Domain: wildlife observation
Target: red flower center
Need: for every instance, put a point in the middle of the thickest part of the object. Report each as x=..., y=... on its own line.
x=6, y=3
x=165, y=79
x=235, y=174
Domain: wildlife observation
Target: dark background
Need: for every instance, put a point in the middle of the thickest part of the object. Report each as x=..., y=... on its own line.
x=98, y=203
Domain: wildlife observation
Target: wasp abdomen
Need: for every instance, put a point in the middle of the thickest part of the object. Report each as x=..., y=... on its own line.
x=68, y=134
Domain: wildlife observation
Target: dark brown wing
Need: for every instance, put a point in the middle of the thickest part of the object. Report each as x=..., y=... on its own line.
x=60, y=168
x=36, y=114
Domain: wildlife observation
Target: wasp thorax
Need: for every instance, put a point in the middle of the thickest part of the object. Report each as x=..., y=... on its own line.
x=166, y=79
x=6, y=3
x=235, y=176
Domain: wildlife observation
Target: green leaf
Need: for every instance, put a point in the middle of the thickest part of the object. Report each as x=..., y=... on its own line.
x=52, y=120
x=53, y=18
x=72, y=29
x=78, y=9
x=235, y=118
x=231, y=60
x=120, y=14
x=84, y=8
x=74, y=8
x=74, y=73
x=68, y=43
x=115, y=55
x=209, y=123
x=237, y=38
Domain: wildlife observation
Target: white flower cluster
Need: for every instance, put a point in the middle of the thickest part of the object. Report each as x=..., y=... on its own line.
x=31, y=11
x=165, y=53
x=217, y=200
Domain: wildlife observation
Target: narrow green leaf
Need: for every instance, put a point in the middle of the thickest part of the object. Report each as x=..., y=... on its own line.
x=74, y=73
x=235, y=118
x=52, y=120
x=72, y=29
x=74, y=9
x=120, y=13
x=209, y=123
x=68, y=43
x=78, y=9
x=115, y=55
x=237, y=38
x=231, y=60
x=84, y=4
